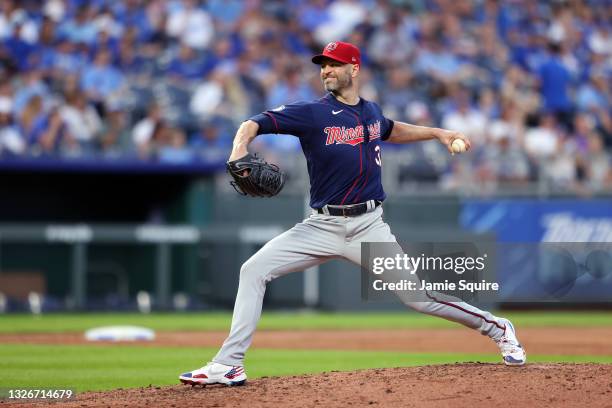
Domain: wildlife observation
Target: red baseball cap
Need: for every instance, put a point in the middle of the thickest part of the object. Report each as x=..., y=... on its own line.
x=341, y=52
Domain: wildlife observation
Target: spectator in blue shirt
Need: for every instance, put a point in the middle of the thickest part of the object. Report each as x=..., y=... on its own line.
x=291, y=87
x=437, y=62
x=133, y=14
x=175, y=149
x=214, y=138
x=31, y=84
x=18, y=49
x=80, y=29
x=226, y=12
x=313, y=14
x=591, y=95
x=187, y=65
x=555, y=81
x=29, y=115
x=50, y=136
x=65, y=58
x=102, y=80
x=105, y=41
x=130, y=61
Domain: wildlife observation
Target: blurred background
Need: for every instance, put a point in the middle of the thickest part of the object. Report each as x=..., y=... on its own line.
x=116, y=118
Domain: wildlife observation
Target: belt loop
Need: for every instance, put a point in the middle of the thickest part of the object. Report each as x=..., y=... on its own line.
x=369, y=205
x=325, y=210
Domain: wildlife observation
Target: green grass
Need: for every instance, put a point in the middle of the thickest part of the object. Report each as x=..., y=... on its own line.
x=57, y=323
x=97, y=367
x=107, y=367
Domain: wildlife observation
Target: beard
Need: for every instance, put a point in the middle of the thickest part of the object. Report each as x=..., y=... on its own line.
x=339, y=84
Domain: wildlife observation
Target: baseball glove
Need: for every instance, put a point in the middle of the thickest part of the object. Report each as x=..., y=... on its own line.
x=255, y=177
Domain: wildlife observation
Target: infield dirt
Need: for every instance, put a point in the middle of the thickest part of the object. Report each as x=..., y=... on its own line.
x=543, y=340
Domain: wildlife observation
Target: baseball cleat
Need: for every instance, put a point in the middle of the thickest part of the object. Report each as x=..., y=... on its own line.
x=215, y=373
x=512, y=352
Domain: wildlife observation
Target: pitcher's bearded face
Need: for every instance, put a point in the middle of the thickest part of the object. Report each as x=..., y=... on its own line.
x=336, y=75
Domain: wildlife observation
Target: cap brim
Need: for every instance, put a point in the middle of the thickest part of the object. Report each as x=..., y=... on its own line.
x=318, y=58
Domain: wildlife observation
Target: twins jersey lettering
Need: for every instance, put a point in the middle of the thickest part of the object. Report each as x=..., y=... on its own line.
x=352, y=136
x=341, y=144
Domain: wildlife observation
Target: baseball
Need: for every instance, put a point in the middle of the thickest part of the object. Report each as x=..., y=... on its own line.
x=458, y=146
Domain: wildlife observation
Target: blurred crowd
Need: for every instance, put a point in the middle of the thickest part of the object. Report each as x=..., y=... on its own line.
x=530, y=82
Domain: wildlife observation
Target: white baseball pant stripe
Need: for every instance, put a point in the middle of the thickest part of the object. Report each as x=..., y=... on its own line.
x=320, y=238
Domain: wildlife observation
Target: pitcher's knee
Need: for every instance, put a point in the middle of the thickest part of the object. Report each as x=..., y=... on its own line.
x=253, y=270
x=247, y=269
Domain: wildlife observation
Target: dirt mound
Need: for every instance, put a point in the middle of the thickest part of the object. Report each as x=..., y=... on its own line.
x=459, y=385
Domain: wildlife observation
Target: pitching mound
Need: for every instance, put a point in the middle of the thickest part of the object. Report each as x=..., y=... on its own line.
x=460, y=385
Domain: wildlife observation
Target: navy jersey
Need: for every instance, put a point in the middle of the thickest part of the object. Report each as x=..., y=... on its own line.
x=341, y=144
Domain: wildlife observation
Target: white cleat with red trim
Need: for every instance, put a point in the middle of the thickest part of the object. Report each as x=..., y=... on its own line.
x=512, y=351
x=215, y=373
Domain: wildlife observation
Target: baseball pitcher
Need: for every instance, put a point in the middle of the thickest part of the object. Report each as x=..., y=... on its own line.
x=341, y=136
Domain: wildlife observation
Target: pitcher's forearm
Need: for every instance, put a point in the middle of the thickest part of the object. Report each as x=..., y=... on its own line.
x=244, y=136
x=407, y=133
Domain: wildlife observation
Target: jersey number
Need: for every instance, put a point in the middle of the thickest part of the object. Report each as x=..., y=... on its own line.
x=378, y=159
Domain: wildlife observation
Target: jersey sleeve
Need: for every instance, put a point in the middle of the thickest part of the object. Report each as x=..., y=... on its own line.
x=387, y=127
x=292, y=119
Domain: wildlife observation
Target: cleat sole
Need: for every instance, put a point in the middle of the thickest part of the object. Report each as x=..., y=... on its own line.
x=192, y=383
x=512, y=362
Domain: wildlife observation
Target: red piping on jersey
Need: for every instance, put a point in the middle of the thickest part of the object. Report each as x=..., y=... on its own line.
x=365, y=183
x=360, y=164
x=273, y=120
x=358, y=177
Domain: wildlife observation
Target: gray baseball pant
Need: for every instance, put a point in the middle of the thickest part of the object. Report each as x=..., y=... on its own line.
x=317, y=239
